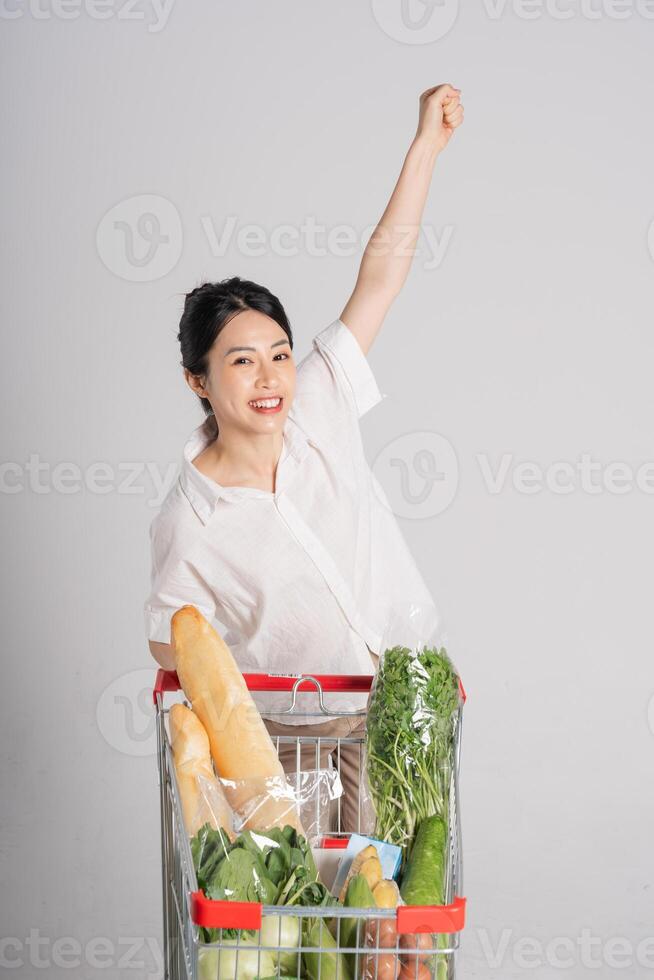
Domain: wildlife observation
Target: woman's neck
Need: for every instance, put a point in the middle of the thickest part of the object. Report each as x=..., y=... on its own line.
x=239, y=459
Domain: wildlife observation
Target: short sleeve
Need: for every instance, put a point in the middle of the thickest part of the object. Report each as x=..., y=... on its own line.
x=340, y=346
x=173, y=584
x=336, y=374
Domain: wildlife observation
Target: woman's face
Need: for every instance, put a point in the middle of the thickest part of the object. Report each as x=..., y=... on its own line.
x=237, y=377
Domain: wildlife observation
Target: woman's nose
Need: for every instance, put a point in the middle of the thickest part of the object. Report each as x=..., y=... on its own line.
x=268, y=380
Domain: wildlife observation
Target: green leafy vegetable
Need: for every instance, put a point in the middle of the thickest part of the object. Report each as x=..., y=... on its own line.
x=411, y=727
x=274, y=867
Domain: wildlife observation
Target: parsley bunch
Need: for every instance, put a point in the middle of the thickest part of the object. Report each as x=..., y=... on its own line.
x=412, y=717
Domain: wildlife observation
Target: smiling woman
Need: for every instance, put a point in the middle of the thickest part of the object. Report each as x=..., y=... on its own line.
x=276, y=529
x=240, y=364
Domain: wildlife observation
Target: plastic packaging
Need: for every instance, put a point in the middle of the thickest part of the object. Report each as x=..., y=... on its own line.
x=413, y=712
x=299, y=799
x=210, y=806
x=316, y=793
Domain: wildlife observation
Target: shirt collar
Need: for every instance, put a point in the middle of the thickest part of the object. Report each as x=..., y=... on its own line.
x=204, y=493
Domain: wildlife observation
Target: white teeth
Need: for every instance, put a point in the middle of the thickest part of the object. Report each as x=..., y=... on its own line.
x=267, y=403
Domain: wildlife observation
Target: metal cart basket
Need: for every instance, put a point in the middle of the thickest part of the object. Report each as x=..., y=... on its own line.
x=406, y=943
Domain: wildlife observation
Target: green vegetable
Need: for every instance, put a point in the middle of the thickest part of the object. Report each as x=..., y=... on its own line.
x=228, y=963
x=276, y=931
x=410, y=733
x=423, y=882
x=424, y=879
x=280, y=931
x=327, y=965
x=274, y=867
x=358, y=896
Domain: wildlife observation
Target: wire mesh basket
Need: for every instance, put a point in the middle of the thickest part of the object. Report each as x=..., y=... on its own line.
x=253, y=941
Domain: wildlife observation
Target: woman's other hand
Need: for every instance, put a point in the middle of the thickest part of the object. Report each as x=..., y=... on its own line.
x=441, y=113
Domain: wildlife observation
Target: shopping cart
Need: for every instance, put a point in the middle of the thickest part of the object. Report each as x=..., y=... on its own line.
x=407, y=943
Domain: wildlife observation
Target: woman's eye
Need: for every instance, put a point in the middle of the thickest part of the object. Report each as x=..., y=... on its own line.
x=239, y=360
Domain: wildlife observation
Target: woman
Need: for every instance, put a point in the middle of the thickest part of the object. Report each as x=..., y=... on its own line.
x=277, y=529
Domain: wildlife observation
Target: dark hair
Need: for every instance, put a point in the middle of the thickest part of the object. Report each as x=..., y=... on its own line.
x=209, y=307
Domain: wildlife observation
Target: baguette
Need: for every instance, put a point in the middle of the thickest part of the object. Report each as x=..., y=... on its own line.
x=202, y=797
x=241, y=747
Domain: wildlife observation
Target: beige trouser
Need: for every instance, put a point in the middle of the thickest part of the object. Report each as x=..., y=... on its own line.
x=314, y=754
x=350, y=813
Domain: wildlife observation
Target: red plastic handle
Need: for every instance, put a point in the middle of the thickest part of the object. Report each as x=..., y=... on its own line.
x=224, y=915
x=247, y=915
x=166, y=680
x=432, y=918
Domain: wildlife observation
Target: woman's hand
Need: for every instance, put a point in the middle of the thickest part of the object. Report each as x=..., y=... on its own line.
x=440, y=114
x=389, y=253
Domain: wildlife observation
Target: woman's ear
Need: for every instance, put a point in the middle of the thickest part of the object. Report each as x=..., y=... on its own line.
x=195, y=383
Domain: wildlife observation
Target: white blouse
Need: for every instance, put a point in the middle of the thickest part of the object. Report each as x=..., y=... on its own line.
x=301, y=580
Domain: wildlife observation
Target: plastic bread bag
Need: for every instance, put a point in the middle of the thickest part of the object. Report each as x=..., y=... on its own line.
x=200, y=794
x=302, y=800
x=210, y=806
x=413, y=713
x=317, y=792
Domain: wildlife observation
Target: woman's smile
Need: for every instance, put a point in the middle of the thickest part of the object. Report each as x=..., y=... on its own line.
x=267, y=406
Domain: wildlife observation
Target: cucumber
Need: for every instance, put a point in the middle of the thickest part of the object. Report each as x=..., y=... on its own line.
x=423, y=882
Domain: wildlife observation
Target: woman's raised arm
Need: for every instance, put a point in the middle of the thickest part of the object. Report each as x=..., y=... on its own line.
x=389, y=252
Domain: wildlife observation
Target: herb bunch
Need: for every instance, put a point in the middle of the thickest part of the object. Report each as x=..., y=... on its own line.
x=412, y=718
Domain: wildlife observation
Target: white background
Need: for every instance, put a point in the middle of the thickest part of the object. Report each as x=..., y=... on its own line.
x=530, y=338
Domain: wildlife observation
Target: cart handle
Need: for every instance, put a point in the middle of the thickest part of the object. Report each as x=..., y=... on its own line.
x=167, y=680
x=432, y=918
x=247, y=915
